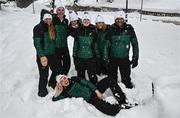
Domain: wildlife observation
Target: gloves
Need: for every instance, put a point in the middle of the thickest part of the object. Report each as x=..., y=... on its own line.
x=134, y=62
x=106, y=63
x=44, y=61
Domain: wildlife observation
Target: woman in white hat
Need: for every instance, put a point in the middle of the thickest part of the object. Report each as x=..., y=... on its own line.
x=61, y=51
x=100, y=33
x=44, y=42
x=85, y=49
x=78, y=87
x=75, y=23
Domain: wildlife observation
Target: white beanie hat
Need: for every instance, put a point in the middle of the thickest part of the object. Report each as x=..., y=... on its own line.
x=59, y=77
x=73, y=16
x=99, y=18
x=120, y=14
x=86, y=16
x=61, y=6
x=47, y=16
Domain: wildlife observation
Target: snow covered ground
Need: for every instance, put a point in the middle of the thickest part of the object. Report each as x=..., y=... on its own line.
x=159, y=63
x=152, y=5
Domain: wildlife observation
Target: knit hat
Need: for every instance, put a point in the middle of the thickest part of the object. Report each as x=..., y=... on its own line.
x=47, y=15
x=86, y=16
x=44, y=11
x=120, y=14
x=99, y=18
x=61, y=6
x=73, y=16
x=59, y=77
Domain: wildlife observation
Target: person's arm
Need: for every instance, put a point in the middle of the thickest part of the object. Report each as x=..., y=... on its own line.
x=75, y=48
x=134, y=43
x=58, y=92
x=99, y=94
x=135, y=47
x=58, y=98
x=95, y=46
x=37, y=38
x=106, y=50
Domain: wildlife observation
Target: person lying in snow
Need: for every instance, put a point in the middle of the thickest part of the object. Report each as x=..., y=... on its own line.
x=78, y=87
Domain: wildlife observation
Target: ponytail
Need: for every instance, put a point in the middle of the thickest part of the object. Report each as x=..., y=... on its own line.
x=51, y=30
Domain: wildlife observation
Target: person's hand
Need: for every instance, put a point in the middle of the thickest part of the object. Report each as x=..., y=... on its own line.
x=44, y=61
x=58, y=89
x=134, y=62
x=99, y=94
x=106, y=63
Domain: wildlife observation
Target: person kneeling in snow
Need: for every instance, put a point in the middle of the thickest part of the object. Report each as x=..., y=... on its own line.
x=77, y=87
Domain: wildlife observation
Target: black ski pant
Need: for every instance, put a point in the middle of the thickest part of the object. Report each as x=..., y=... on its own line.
x=87, y=64
x=63, y=59
x=108, y=82
x=103, y=106
x=44, y=72
x=101, y=66
x=124, y=68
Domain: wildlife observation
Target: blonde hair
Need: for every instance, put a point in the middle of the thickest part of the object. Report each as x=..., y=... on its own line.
x=103, y=28
x=51, y=31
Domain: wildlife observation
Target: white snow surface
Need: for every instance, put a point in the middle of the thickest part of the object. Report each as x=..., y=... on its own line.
x=152, y=5
x=159, y=63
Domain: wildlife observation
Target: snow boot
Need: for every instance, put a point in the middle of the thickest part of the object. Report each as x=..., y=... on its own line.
x=42, y=90
x=117, y=92
x=127, y=83
x=43, y=93
x=128, y=105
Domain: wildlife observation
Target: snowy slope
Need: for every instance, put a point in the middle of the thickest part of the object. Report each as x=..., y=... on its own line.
x=159, y=63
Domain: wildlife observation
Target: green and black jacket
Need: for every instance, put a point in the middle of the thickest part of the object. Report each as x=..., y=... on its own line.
x=78, y=88
x=100, y=37
x=119, y=41
x=43, y=44
x=61, y=31
x=85, y=46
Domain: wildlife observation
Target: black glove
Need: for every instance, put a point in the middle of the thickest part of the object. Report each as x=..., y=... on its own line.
x=134, y=62
x=106, y=64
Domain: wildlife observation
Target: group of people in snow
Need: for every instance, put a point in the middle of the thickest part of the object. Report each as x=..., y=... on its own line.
x=99, y=49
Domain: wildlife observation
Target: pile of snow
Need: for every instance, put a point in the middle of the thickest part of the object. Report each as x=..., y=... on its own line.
x=159, y=63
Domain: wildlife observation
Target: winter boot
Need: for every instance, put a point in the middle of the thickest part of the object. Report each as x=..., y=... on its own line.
x=42, y=87
x=128, y=105
x=118, y=94
x=127, y=82
x=42, y=93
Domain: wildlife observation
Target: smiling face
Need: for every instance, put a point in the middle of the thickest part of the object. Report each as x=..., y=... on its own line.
x=99, y=25
x=120, y=22
x=86, y=22
x=60, y=11
x=74, y=24
x=64, y=81
x=48, y=21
